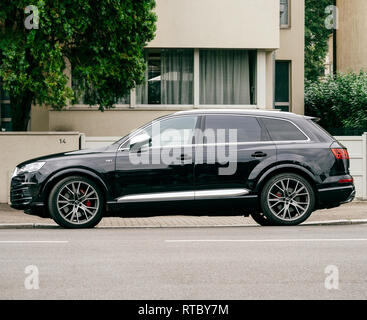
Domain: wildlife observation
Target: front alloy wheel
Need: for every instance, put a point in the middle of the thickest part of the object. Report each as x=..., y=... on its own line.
x=287, y=199
x=76, y=202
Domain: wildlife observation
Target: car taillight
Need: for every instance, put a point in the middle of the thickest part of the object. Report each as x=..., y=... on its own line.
x=340, y=153
x=345, y=181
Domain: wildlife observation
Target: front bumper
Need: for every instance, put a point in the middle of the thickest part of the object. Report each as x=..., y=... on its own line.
x=24, y=194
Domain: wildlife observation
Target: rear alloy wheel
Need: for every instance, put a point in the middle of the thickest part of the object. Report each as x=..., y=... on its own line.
x=76, y=202
x=287, y=199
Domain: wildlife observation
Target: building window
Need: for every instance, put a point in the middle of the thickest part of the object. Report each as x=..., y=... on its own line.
x=282, y=85
x=227, y=77
x=224, y=77
x=169, y=77
x=284, y=13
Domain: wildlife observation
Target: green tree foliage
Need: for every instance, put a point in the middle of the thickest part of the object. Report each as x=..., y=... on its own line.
x=316, y=36
x=340, y=100
x=103, y=40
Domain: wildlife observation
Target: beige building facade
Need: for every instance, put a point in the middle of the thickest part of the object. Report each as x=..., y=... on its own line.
x=206, y=54
x=349, y=51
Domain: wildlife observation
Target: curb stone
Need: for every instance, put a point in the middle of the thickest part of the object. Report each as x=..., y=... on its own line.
x=53, y=226
x=336, y=222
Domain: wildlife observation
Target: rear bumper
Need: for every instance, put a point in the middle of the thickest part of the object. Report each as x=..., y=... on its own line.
x=334, y=196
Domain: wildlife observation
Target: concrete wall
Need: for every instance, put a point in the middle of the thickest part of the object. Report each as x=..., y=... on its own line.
x=17, y=147
x=217, y=24
x=292, y=48
x=352, y=35
x=39, y=118
x=93, y=122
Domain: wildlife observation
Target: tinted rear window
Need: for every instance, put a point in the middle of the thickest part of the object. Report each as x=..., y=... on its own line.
x=248, y=128
x=320, y=132
x=282, y=130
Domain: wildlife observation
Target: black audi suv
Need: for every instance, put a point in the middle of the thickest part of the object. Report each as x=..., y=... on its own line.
x=277, y=167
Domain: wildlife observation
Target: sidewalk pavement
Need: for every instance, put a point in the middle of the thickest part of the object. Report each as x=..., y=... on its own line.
x=355, y=212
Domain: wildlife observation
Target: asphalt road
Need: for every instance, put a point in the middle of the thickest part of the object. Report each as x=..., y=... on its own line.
x=189, y=263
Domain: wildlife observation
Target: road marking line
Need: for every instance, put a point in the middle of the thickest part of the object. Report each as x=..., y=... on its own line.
x=265, y=240
x=31, y=241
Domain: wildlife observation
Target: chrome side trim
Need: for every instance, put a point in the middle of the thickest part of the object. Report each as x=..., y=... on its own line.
x=162, y=196
x=336, y=188
x=220, y=193
x=183, y=195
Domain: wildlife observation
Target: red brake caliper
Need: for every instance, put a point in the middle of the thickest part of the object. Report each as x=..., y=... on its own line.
x=88, y=203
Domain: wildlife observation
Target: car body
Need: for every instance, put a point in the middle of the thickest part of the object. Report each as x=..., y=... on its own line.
x=272, y=149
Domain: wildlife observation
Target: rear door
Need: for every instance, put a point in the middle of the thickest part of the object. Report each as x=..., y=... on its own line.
x=229, y=168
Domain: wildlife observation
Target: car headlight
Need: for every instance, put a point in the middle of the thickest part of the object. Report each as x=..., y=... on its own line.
x=30, y=167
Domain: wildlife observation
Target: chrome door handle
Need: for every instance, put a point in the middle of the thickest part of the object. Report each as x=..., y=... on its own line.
x=259, y=154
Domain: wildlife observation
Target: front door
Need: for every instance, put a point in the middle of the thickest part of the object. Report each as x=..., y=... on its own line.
x=161, y=169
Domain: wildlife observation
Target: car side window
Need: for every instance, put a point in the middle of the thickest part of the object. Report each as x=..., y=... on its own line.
x=176, y=131
x=282, y=130
x=248, y=128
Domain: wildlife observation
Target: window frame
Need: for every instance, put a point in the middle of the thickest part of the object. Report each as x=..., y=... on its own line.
x=288, y=25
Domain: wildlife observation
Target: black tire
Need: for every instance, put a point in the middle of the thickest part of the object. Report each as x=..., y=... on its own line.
x=260, y=219
x=75, y=215
x=291, y=206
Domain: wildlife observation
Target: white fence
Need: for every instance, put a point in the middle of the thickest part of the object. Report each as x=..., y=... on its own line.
x=357, y=148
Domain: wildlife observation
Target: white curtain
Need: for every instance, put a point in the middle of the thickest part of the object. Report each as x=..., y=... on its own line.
x=224, y=77
x=177, y=76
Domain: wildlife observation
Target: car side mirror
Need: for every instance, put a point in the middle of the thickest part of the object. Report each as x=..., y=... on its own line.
x=138, y=141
